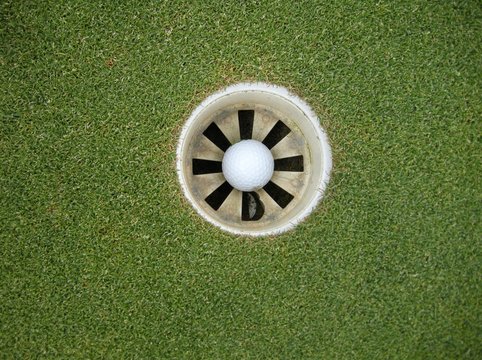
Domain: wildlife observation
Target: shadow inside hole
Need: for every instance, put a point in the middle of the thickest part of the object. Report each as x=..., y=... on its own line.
x=252, y=207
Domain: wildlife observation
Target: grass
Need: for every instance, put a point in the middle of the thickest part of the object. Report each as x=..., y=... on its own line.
x=102, y=257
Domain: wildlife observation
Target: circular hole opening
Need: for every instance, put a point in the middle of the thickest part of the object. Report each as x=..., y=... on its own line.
x=280, y=122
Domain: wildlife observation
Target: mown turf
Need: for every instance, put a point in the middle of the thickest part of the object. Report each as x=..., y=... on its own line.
x=102, y=257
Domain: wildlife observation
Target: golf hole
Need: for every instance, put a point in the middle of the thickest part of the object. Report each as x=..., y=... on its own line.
x=262, y=116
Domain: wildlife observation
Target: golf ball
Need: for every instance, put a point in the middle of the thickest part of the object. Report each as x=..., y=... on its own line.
x=248, y=165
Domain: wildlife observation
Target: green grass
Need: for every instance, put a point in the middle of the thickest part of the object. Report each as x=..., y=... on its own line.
x=101, y=256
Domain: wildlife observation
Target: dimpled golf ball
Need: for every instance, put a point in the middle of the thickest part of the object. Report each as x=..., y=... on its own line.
x=248, y=165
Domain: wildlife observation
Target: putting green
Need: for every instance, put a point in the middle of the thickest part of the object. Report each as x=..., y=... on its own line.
x=101, y=255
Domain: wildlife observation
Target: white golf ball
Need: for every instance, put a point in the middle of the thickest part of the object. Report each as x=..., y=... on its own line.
x=248, y=165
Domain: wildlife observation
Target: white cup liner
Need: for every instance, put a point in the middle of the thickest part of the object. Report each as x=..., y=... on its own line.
x=307, y=187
